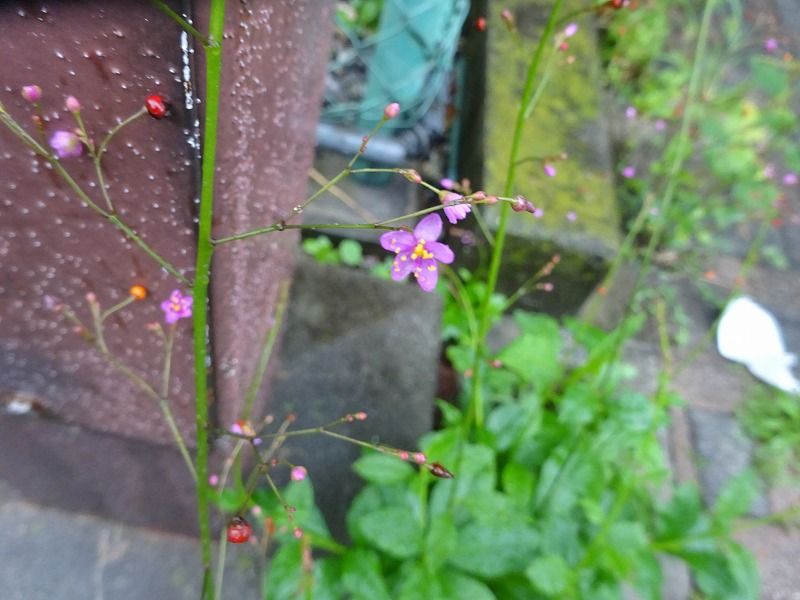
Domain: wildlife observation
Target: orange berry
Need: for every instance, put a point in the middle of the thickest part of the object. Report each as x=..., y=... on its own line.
x=138, y=291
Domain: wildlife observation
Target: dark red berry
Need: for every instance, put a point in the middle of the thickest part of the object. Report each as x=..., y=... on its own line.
x=156, y=106
x=439, y=471
x=239, y=531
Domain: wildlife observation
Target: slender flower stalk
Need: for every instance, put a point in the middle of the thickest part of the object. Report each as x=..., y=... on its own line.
x=476, y=408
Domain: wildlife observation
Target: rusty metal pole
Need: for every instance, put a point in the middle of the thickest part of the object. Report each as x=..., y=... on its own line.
x=93, y=441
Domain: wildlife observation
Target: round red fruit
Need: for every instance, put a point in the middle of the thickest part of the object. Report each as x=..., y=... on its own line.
x=239, y=531
x=480, y=24
x=156, y=106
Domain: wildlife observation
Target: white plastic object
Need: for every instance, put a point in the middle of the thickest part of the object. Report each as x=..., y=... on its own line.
x=747, y=333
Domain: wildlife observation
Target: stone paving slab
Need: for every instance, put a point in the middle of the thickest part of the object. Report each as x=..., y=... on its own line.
x=47, y=554
x=723, y=452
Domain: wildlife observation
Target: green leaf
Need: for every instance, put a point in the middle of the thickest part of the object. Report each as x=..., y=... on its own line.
x=231, y=499
x=624, y=542
x=414, y=582
x=506, y=422
x=327, y=583
x=393, y=530
x=736, y=497
x=382, y=469
x=550, y=574
x=362, y=576
x=534, y=357
x=450, y=414
x=440, y=541
x=681, y=514
x=490, y=551
x=518, y=483
x=350, y=253
x=283, y=578
x=457, y=586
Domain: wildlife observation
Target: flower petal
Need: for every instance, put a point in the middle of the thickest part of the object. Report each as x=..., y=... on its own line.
x=397, y=240
x=402, y=266
x=429, y=228
x=441, y=252
x=427, y=274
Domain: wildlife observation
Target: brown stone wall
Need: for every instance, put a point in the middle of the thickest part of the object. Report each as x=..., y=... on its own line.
x=110, y=55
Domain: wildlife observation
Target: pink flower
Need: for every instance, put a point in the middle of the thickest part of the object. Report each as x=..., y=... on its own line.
x=629, y=172
x=790, y=179
x=770, y=44
x=73, y=105
x=571, y=29
x=418, y=252
x=32, y=93
x=660, y=125
x=66, y=144
x=549, y=170
x=447, y=183
x=177, y=306
x=571, y=216
x=631, y=112
x=299, y=473
x=213, y=480
x=454, y=209
x=391, y=111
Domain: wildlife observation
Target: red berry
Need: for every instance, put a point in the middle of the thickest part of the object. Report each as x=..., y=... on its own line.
x=480, y=23
x=239, y=531
x=156, y=106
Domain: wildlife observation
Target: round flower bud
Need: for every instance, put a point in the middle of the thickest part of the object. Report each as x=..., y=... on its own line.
x=32, y=93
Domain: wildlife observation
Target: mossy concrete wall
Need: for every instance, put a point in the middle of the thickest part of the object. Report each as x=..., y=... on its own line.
x=568, y=118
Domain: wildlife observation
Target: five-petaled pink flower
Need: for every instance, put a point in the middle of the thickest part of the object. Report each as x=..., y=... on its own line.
x=176, y=307
x=418, y=252
x=454, y=208
x=66, y=144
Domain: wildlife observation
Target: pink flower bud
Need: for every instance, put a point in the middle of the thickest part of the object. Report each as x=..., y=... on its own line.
x=491, y=200
x=297, y=533
x=73, y=105
x=508, y=18
x=299, y=473
x=391, y=111
x=32, y=93
x=213, y=480
x=402, y=455
x=420, y=458
x=91, y=297
x=479, y=195
x=360, y=416
x=549, y=170
x=571, y=29
x=411, y=175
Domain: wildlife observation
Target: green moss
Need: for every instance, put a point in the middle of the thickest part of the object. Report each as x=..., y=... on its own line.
x=567, y=119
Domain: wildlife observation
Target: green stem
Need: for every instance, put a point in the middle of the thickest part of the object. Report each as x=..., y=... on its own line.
x=311, y=226
x=266, y=351
x=683, y=141
x=183, y=23
x=205, y=250
x=476, y=393
x=134, y=237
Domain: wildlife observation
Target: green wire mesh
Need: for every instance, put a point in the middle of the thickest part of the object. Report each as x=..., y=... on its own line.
x=406, y=60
